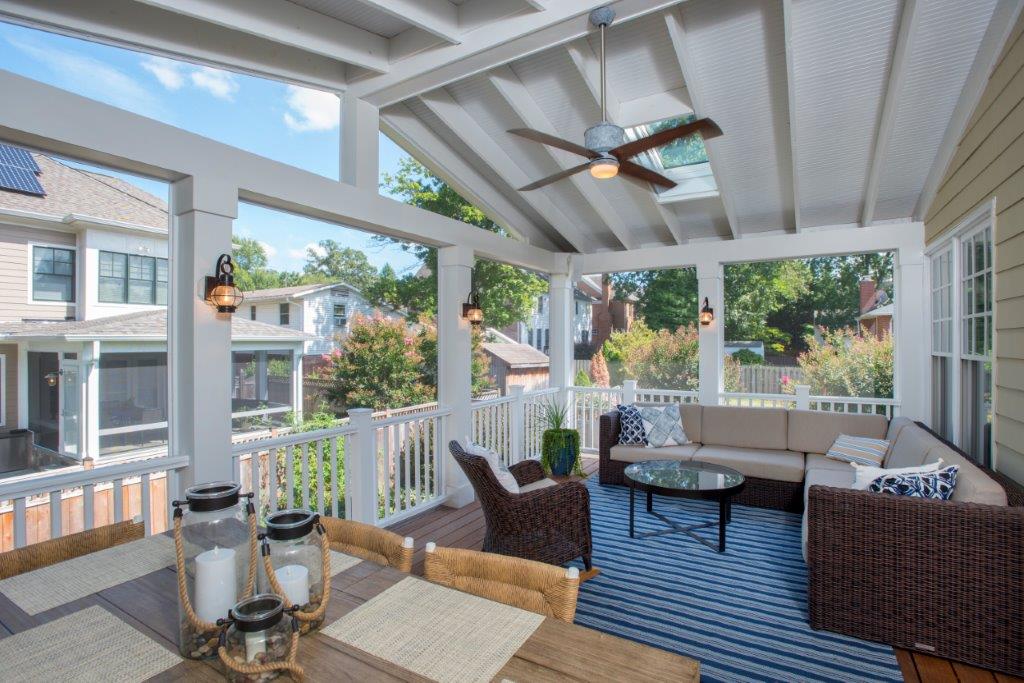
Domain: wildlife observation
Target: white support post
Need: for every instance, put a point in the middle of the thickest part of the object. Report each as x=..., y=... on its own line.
x=803, y=396
x=517, y=414
x=709, y=286
x=360, y=126
x=454, y=356
x=91, y=421
x=199, y=338
x=628, y=391
x=560, y=319
x=361, y=468
x=297, y=388
x=910, y=335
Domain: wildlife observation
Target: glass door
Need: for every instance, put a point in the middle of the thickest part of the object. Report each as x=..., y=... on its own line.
x=70, y=405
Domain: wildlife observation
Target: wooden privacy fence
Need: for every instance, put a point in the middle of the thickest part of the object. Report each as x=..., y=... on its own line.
x=767, y=379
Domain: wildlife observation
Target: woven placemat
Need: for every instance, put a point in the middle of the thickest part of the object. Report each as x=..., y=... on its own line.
x=90, y=645
x=58, y=584
x=437, y=632
x=340, y=562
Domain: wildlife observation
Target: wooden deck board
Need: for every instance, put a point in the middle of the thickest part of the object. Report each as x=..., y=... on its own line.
x=464, y=528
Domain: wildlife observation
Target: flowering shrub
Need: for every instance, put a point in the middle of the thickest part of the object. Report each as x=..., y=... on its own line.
x=845, y=363
x=671, y=360
x=599, y=370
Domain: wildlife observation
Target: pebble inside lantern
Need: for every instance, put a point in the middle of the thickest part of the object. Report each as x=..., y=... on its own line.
x=259, y=641
x=216, y=548
x=297, y=564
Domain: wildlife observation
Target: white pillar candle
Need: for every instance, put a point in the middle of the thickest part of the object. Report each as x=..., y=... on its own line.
x=255, y=644
x=215, y=584
x=294, y=580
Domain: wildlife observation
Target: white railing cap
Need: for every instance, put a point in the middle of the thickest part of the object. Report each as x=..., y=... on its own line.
x=408, y=542
x=431, y=547
x=32, y=485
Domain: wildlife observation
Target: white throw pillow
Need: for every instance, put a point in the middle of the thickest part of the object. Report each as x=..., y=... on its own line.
x=501, y=473
x=866, y=474
x=663, y=426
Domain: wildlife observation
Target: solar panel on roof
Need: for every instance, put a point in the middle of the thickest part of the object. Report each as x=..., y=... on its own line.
x=17, y=157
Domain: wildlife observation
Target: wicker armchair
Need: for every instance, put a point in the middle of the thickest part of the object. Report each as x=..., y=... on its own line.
x=529, y=585
x=68, y=547
x=550, y=524
x=369, y=543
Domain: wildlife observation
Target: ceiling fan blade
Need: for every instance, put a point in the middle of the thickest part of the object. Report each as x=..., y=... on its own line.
x=552, y=178
x=551, y=140
x=706, y=127
x=644, y=173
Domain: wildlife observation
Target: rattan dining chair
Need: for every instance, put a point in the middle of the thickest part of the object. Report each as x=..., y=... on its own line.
x=527, y=584
x=56, y=550
x=368, y=542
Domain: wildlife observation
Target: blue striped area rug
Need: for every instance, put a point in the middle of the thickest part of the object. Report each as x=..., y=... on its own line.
x=741, y=613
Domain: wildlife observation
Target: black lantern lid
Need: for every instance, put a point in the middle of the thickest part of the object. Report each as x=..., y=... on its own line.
x=287, y=525
x=258, y=612
x=213, y=496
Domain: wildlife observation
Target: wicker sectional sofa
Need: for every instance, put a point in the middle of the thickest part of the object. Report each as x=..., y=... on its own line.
x=943, y=577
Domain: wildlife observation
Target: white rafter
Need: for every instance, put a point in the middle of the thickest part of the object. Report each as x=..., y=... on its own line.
x=419, y=140
x=887, y=118
x=463, y=126
x=438, y=17
x=677, y=33
x=505, y=41
x=529, y=112
x=787, y=21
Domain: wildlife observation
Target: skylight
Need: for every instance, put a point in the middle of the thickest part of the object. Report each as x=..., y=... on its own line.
x=684, y=160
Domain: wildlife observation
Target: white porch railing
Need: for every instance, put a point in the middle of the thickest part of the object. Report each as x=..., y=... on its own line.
x=803, y=400
x=586, y=404
x=512, y=425
x=75, y=499
x=409, y=455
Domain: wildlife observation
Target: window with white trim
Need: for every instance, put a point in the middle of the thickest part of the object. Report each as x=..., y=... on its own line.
x=132, y=279
x=53, y=274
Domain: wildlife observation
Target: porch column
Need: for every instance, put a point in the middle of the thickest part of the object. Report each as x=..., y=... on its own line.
x=454, y=356
x=199, y=338
x=360, y=126
x=560, y=314
x=709, y=284
x=910, y=335
x=91, y=404
x=297, y=388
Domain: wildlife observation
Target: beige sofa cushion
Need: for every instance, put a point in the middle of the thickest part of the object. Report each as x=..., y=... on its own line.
x=641, y=453
x=972, y=484
x=812, y=431
x=539, y=484
x=818, y=461
x=690, y=412
x=763, y=428
x=895, y=427
x=910, y=448
x=763, y=463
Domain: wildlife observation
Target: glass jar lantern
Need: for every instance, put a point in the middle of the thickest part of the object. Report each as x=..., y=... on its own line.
x=215, y=536
x=257, y=643
x=295, y=555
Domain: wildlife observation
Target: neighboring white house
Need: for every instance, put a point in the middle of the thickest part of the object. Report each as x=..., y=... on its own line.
x=535, y=331
x=324, y=311
x=83, y=318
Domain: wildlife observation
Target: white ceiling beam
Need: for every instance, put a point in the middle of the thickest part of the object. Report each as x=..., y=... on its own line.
x=465, y=127
x=437, y=17
x=504, y=42
x=787, y=22
x=677, y=33
x=419, y=140
x=887, y=118
x=672, y=222
x=139, y=27
x=654, y=107
x=1004, y=19
x=288, y=24
x=529, y=112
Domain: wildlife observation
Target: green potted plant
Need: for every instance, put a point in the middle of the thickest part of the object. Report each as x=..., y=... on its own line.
x=560, y=447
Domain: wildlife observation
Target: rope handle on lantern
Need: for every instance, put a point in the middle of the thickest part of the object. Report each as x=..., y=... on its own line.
x=179, y=556
x=325, y=559
x=287, y=664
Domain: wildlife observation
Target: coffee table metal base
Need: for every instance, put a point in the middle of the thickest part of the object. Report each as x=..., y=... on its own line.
x=724, y=517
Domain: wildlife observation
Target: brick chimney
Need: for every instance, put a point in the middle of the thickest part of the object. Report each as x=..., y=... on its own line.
x=868, y=291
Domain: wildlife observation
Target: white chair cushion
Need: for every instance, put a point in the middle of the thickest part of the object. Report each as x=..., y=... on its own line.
x=501, y=473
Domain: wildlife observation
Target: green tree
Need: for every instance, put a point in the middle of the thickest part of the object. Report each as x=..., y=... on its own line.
x=252, y=270
x=332, y=261
x=618, y=347
x=507, y=293
x=480, y=364
x=385, y=289
x=754, y=291
x=844, y=363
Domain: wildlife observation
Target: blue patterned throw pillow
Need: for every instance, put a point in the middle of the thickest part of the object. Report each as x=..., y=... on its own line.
x=938, y=485
x=631, y=426
x=663, y=426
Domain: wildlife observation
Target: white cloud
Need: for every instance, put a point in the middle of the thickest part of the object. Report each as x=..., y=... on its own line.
x=220, y=84
x=167, y=71
x=269, y=249
x=311, y=110
x=301, y=253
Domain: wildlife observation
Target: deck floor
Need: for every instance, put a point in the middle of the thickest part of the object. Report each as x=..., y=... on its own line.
x=464, y=528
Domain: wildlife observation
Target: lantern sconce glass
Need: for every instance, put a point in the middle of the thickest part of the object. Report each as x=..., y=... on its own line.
x=707, y=314
x=221, y=291
x=471, y=310
x=51, y=378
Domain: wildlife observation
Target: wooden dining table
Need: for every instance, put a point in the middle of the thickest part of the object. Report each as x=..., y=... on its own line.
x=556, y=651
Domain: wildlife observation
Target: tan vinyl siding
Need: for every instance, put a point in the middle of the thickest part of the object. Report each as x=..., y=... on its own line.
x=989, y=162
x=10, y=385
x=15, y=282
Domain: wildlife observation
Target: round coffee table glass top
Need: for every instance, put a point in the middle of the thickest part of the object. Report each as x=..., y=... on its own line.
x=684, y=476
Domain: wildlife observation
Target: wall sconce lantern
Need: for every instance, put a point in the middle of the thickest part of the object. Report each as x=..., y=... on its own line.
x=51, y=378
x=220, y=288
x=707, y=314
x=471, y=310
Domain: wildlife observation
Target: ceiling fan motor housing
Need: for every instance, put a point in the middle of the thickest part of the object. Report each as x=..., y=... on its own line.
x=603, y=137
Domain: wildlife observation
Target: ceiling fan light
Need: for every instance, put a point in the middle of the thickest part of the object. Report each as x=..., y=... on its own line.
x=602, y=169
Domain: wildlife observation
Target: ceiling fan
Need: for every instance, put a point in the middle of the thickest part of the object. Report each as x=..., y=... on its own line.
x=604, y=144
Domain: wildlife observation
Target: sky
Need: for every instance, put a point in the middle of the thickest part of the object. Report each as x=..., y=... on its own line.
x=294, y=125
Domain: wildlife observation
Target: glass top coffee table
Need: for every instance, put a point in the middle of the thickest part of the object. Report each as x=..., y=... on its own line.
x=685, y=480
